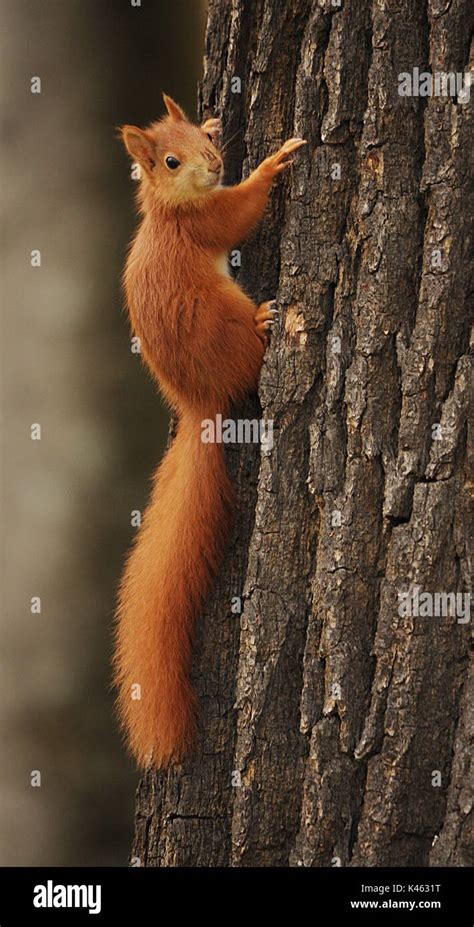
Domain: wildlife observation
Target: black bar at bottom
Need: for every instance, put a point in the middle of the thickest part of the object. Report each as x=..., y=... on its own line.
x=147, y=896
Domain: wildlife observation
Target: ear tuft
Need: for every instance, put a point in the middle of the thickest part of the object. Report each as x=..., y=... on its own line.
x=174, y=111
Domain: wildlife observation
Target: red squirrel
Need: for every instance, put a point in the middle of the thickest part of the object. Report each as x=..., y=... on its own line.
x=203, y=340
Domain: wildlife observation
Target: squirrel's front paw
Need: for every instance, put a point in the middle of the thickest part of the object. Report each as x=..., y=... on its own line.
x=265, y=317
x=213, y=128
x=278, y=162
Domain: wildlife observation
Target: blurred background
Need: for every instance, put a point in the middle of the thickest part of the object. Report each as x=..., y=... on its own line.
x=67, y=366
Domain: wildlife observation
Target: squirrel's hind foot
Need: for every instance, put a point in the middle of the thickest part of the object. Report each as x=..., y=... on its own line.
x=265, y=317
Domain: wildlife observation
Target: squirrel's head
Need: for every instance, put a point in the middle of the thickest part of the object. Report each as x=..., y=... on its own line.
x=179, y=161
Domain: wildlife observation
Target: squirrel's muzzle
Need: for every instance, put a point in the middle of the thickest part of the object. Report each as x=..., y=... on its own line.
x=215, y=166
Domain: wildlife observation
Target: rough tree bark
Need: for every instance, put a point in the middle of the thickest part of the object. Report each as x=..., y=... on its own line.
x=334, y=730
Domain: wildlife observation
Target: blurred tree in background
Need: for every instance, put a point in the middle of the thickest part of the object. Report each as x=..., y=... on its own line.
x=67, y=366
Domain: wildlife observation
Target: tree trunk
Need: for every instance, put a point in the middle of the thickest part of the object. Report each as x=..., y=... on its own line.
x=334, y=724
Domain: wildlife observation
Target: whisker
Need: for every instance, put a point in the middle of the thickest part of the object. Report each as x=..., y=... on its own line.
x=231, y=139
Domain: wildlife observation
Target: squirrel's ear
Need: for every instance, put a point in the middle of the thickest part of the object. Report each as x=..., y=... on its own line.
x=139, y=145
x=173, y=110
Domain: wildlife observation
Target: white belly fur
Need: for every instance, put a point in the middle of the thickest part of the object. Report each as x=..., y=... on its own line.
x=222, y=265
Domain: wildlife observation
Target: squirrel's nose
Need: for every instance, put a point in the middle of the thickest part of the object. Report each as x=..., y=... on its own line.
x=215, y=166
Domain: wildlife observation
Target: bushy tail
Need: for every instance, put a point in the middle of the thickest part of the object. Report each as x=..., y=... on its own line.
x=165, y=580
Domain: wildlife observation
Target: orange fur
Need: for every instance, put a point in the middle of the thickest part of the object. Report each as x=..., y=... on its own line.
x=204, y=346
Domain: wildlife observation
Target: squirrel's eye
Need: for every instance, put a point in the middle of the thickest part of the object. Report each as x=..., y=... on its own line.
x=172, y=163
x=209, y=136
